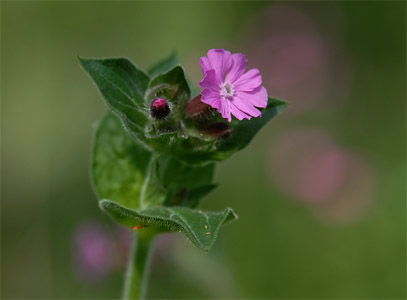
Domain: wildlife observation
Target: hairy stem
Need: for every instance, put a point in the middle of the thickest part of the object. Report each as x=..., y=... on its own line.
x=135, y=285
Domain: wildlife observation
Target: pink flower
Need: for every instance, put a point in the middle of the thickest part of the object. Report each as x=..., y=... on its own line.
x=227, y=88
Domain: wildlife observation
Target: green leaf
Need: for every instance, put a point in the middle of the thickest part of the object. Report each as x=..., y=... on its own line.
x=164, y=65
x=123, y=170
x=172, y=86
x=244, y=131
x=195, y=195
x=167, y=64
x=123, y=86
x=175, y=172
x=152, y=192
x=191, y=222
x=186, y=184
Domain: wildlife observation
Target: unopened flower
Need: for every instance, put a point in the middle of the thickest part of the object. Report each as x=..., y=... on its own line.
x=196, y=109
x=228, y=88
x=217, y=130
x=159, y=109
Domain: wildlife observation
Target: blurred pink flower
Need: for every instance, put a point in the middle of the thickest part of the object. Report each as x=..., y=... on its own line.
x=228, y=88
x=355, y=197
x=98, y=252
x=309, y=166
x=299, y=63
x=322, y=175
x=93, y=252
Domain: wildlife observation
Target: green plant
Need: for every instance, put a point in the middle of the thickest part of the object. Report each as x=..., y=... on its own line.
x=154, y=155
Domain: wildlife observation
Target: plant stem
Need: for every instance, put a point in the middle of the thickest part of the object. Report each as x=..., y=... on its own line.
x=135, y=284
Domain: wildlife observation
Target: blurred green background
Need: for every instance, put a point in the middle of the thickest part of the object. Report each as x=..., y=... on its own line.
x=321, y=191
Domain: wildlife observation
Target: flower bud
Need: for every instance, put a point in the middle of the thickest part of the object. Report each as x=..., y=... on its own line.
x=196, y=109
x=217, y=130
x=159, y=109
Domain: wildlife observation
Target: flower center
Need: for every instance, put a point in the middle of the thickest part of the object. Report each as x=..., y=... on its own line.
x=227, y=90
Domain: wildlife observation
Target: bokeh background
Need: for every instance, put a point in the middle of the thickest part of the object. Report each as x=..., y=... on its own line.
x=321, y=191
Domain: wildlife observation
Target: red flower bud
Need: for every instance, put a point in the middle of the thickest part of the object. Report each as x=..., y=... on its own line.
x=159, y=109
x=217, y=130
x=196, y=109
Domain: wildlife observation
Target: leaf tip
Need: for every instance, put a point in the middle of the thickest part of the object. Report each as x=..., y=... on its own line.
x=83, y=61
x=230, y=215
x=80, y=58
x=103, y=204
x=278, y=104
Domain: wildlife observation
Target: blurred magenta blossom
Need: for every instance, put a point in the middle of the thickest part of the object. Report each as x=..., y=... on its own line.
x=228, y=88
x=97, y=253
x=308, y=165
x=298, y=62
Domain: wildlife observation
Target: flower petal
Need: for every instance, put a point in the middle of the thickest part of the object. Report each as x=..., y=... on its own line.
x=210, y=81
x=238, y=113
x=220, y=60
x=244, y=95
x=205, y=64
x=211, y=98
x=248, y=81
x=246, y=107
x=239, y=63
x=257, y=97
x=224, y=110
